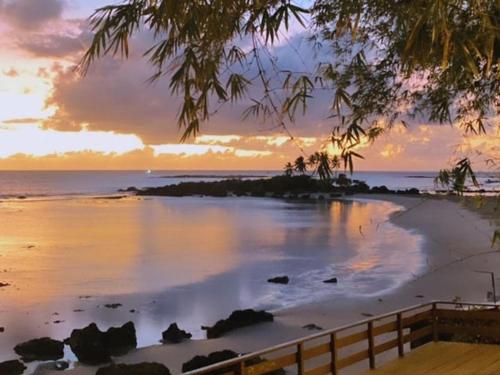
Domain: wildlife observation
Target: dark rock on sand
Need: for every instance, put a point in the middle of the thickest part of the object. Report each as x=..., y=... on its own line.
x=279, y=280
x=13, y=367
x=175, y=335
x=119, y=340
x=92, y=346
x=333, y=280
x=312, y=327
x=3, y=285
x=238, y=319
x=113, y=305
x=144, y=368
x=42, y=349
x=2, y=329
x=200, y=361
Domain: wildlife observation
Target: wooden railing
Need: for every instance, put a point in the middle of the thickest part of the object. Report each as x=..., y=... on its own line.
x=331, y=351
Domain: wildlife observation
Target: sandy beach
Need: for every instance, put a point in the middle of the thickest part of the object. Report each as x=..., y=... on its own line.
x=457, y=243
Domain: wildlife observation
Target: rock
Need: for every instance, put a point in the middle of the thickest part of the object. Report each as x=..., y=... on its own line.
x=238, y=319
x=42, y=349
x=279, y=280
x=113, y=305
x=91, y=346
x=88, y=345
x=380, y=190
x=333, y=280
x=13, y=367
x=119, y=340
x=2, y=329
x=312, y=327
x=200, y=361
x=144, y=368
x=175, y=335
x=3, y=285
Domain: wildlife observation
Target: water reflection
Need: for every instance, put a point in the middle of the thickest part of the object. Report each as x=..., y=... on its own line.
x=190, y=260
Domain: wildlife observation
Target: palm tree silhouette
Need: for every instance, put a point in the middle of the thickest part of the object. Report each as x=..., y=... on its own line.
x=300, y=165
x=288, y=169
x=324, y=169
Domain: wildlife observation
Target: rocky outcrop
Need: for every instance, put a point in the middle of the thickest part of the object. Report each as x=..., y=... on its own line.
x=144, y=368
x=238, y=319
x=200, y=361
x=279, y=280
x=175, y=335
x=333, y=280
x=13, y=367
x=42, y=349
x=91, y=346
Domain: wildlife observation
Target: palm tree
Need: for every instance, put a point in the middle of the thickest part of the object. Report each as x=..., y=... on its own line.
x=300, y=165
x=312, y=161
x=324, y=169
x=335, y=161
x=288, y=169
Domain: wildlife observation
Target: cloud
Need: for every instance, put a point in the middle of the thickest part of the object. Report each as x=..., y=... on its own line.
x=22, y=121
x=114, y=95
x=12, y=73
x=31, y=14
x=53, y=45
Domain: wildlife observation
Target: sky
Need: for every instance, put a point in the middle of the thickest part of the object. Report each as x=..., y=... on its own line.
x=53, y=118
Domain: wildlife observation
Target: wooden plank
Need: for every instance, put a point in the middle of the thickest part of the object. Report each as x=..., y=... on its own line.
x=316, y=351
x=434, y=323
x=415, y=335
x=492, y=332
x=435, y=359
x=271, y=365
x=334, y=355
x=321, y=370
x=353, y=358
x=300, y=359
x=351, y=339
x=408, y=321
x=385, y=328
x=385, y=346
x=371, y=345
x=401, y=349
x=492, y=314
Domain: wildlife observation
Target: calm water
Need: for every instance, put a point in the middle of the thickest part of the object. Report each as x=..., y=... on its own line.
x=190, y=260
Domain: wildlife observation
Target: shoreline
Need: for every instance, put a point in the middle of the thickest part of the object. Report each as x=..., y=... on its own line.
x=456, y=244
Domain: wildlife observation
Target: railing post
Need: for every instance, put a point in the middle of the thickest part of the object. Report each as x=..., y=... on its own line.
x=300, y=358
x=399, y=323
x=434, y=323
x=333, y=352
x=240, y=369
x=371, y=345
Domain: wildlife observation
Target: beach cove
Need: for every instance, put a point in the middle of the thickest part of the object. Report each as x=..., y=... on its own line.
x=304, y=301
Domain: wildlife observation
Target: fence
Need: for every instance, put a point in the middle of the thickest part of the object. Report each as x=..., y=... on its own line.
x=331, y=351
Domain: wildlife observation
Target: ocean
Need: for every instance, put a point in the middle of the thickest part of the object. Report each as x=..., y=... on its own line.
x=66, y=251
x=14, y=184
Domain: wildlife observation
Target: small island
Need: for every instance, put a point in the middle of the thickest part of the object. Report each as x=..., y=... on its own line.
x=289, y=187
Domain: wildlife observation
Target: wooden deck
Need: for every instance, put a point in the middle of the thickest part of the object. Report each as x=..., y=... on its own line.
x=445, y=358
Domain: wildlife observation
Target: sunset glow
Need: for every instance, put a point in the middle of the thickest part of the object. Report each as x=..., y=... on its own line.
x=50, y=111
